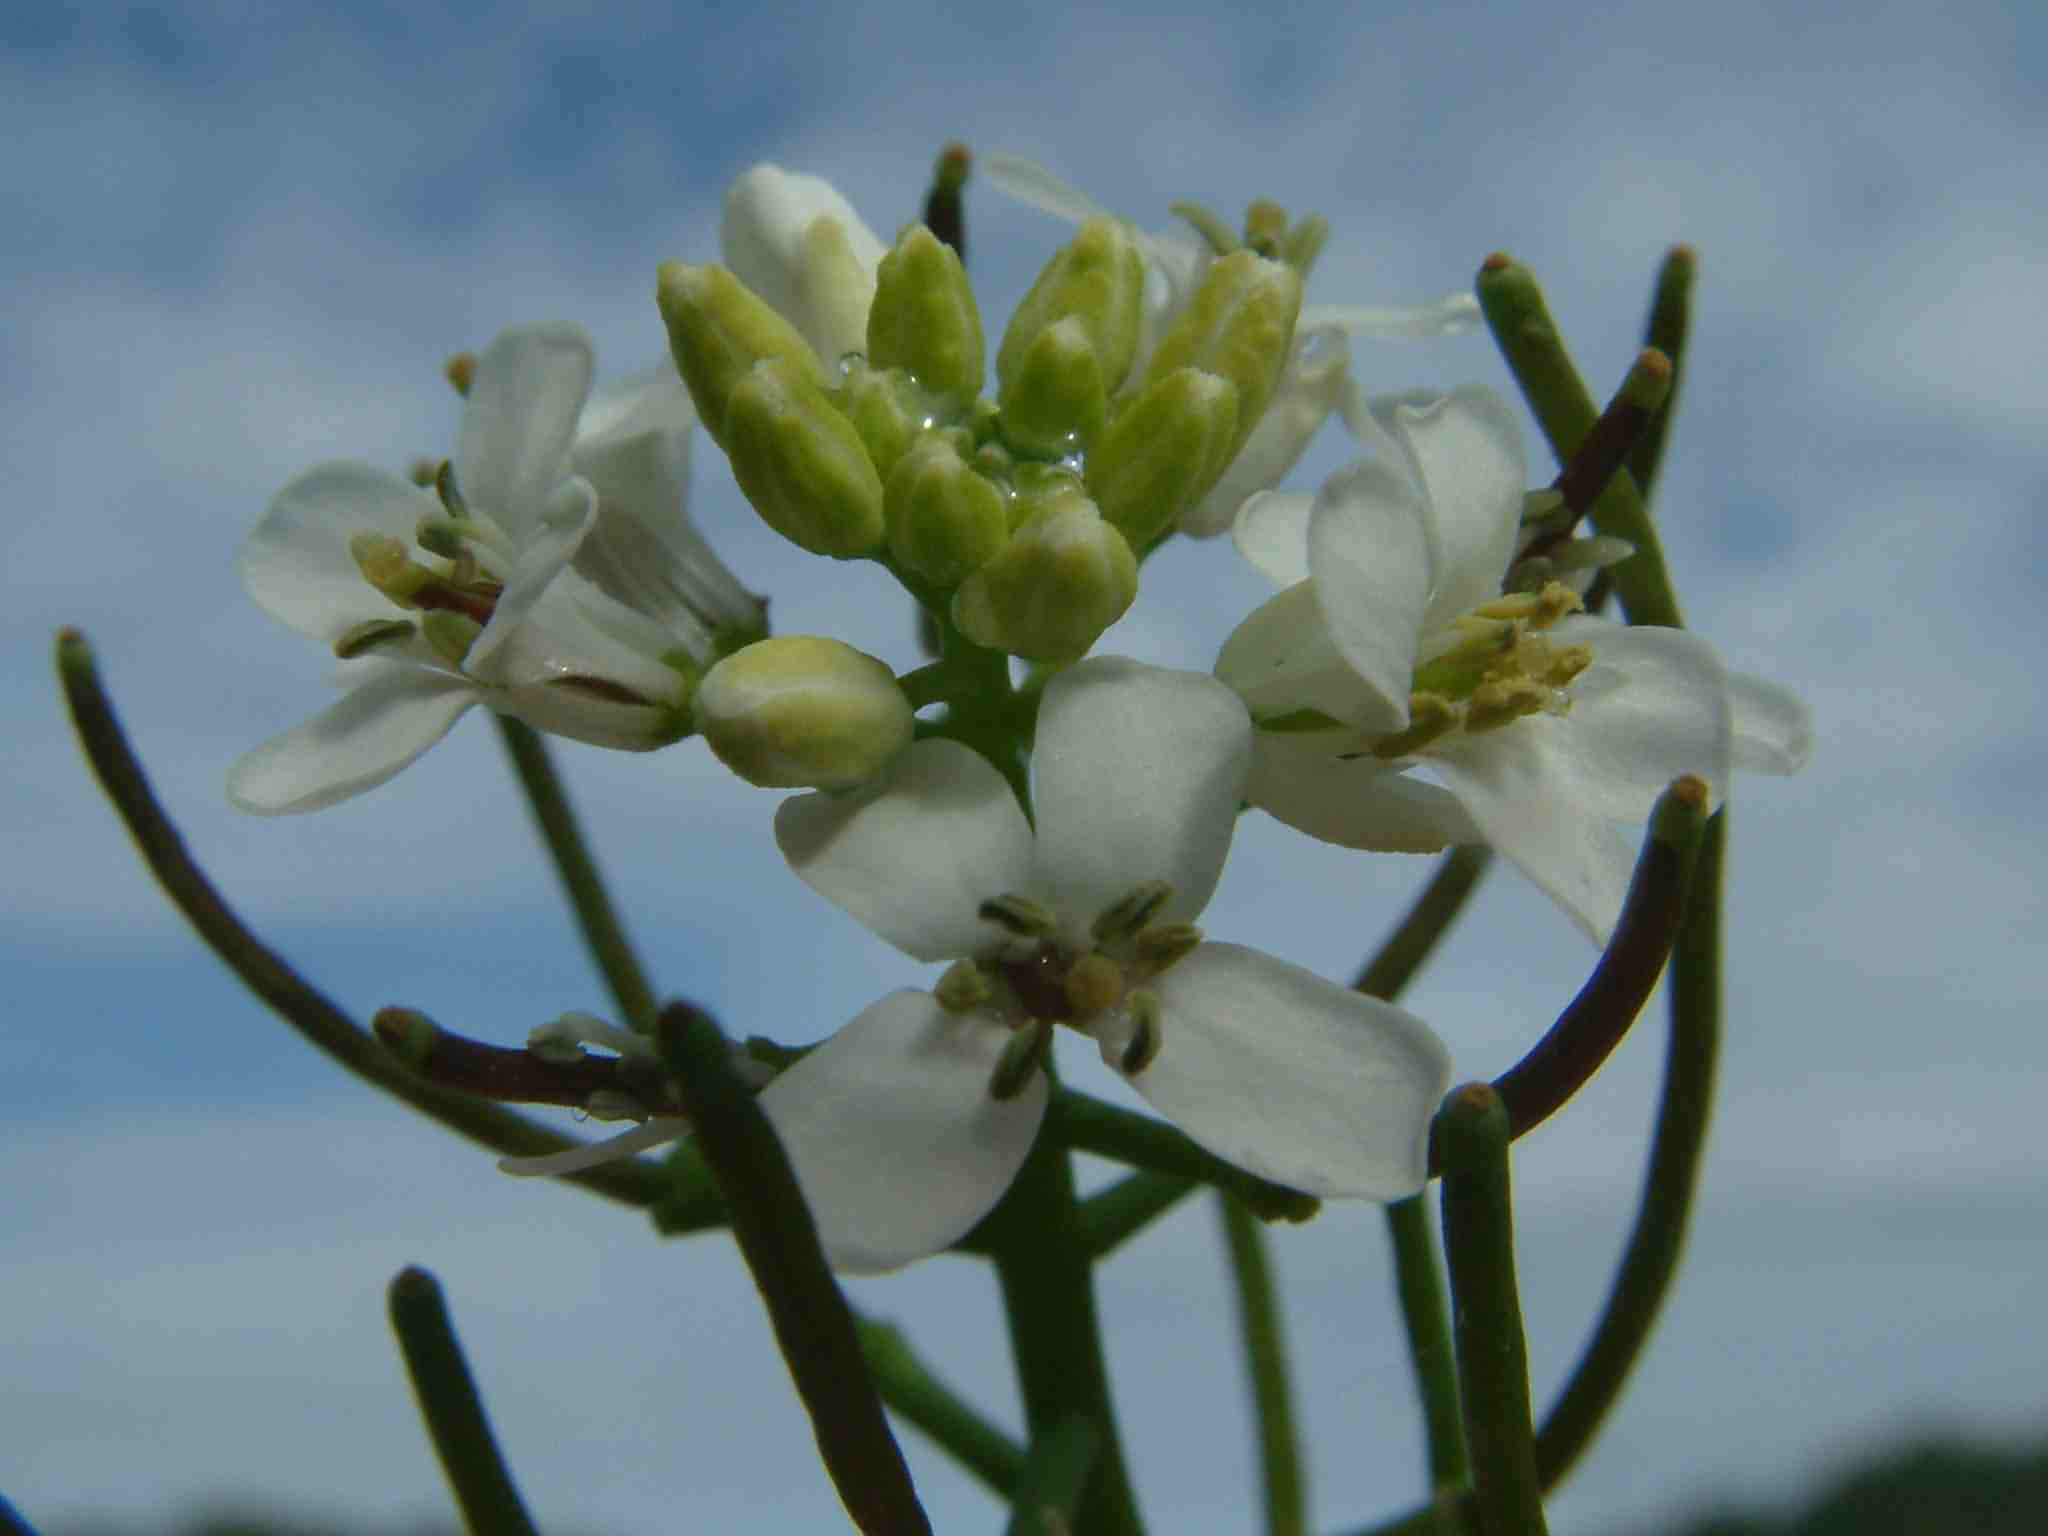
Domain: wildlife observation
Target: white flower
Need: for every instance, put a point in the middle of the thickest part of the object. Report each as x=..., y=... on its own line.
x=1137, y=775
x=555, y=578
x=1392, y=649
x=1317, y=370
x=797, y=243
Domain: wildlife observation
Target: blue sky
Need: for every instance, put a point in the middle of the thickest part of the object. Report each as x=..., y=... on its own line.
x=244, y=238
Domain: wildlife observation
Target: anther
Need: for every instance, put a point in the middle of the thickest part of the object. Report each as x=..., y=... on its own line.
x=963, y=988
x=1162, y=947
x=1430, y=715
x=1020, y=915
x=1022, y=1054
x=1146, y=1035
x=366, y=637
x=1125, y=917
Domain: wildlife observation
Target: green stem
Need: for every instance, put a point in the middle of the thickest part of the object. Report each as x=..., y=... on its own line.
x=940, y=1414
x=1493, y=1366
x=603, y=932
x=1054, y=1478
x=1118, y=1213
x=448, y=1400
x=264, y=972
x=1528, y=339
x=1430, y=1351
x=1658, y=1239
x=813, y=1324
x=1055, y=1335
x=1669, y=329
x=1265, y=1347
x=1089, y=1125
x=1406, y=949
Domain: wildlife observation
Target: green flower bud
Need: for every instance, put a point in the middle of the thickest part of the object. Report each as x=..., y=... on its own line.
x=1064, y=577
x=1054, y=402
x=887, y=409
x=1163, y=452
x=1099, y=278
x=945, y=520
x=1239, y=326
x=801, y=463
x=924, y=318
x=718, y=328
x=803, y=712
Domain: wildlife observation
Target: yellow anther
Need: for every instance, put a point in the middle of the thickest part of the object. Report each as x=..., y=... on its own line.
x=1146, y=1034
x=963, y=988
x=1265, y=227
x=1496, y=704
x=1124, y=918
x=1430, y=715
x=460, y=371
x=1567, y=664
x=1020, y=1060
x=362, y=638
x=387, y=565
x=1165, y=945
x=1020, y=915
x=1094, y=985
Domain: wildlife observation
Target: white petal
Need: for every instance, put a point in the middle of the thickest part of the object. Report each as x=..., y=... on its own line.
x=895, y=1140
x=594, y=1154
x=797, y=243
x=1308, y=392
x=519, y=421
x=583, y=714
x=544, y=553
x=1137, y=775
x=1295, y=1078
x=914, y=856
x=1466, y=449
x=296, y=562
x=355, y=744
x=1036, y=187
x=1372, y=563
x=1323, y=784
x=1451, y=315
x=1773, y=731
x=1271, y=531
x=1281, y=660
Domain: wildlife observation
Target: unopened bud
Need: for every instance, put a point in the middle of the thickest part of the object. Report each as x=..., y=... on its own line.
x=924, y=318
x=802, y=711
x=945, y=521
x=1239, y=325
x=1097, y=278
x=801, y=463
x=887, y=409
x=1054, y=401
x=718, y=329
x=1163, y=452
x=1064, y=577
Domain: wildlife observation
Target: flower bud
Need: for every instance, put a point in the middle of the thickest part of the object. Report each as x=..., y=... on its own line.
x=1163, y=451
x=1064, y=577
x=801, y=463
x=1054, y=402
x=945, y=521
x=924, y=319
x=718, y=329
x=1240, y=326
x=797, y=243
x=887, y=409
x=803, y=712
x=1099, y=279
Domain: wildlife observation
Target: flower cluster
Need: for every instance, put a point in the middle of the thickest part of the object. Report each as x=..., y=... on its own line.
x=1422, y=678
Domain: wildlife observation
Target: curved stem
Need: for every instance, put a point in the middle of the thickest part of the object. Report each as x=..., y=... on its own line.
x=448, y=1400
x=266, y=973
x=1111, y=1216
x=1054, y=1479
x=1089, y=1125
x=1410, y=945
x=949, y=1421
x=1668, y=330
x=1430, y=1351
x=603, y=931
x=1265, y=1347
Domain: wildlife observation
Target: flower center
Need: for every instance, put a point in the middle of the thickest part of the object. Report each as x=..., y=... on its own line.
x=452, y=573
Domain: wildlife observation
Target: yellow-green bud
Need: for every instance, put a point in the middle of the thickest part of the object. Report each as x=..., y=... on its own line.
x=803, y=712
x=1163, y=452
x=1054, y=402
x=1239, y=325
x=887, y=409
x=924, y=318
x=801, y=463
x=1064, y=577
x=1099, y=278
x=945, y=520
x=718, y=328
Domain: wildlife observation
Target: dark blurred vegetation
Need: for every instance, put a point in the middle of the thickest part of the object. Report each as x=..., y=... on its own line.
x=1930, y=1488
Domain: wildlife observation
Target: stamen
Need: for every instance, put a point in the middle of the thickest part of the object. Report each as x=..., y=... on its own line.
x=451, y=635
x=1165, y=946
x=450, y=493
x=1124, y=918
x=1146, y=1034
x=1215, y=234
x=370, y=634
x=1430, y=715
x=963, y=988
x=1020, y=915
x=1305, y=242
x=1265, y=227
x=1502, y=703
x=460, y=371
x=1022, y=1054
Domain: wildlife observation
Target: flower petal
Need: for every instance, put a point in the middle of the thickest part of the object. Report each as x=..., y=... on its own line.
x=1452, y=315
x=356, y=743
x=1137, y=775
x=1037, y=187
x=915, y=855
x=519, y=421
x=896, y=1142
x=1324, y=784
x=1773, y=731
x=545, y=551
x=798, y=244
x=1308, y=392
x=296, y=562
x=1271, y=531
x=1295, y=1078
x=1372, y=560
x=1281, y=660
x=1466, y=450
x=595, y=1154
